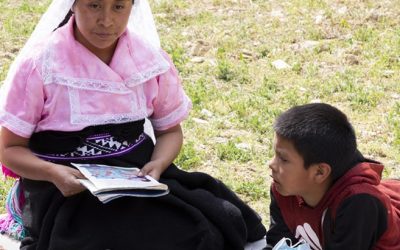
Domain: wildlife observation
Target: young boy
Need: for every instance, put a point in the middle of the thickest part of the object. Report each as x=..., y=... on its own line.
x=324, y=191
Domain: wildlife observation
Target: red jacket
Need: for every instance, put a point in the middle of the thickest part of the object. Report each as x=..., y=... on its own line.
x=365, y=178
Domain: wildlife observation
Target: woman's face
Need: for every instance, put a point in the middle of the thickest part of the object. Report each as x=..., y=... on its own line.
x=99, y=23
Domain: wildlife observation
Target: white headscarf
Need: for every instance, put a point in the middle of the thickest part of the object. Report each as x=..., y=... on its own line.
x=140, y=22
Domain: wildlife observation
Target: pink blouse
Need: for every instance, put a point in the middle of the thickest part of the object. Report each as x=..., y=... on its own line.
x=62, y=86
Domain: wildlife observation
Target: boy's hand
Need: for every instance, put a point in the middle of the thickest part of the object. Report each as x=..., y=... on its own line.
x=152, y=168
x=66, y=180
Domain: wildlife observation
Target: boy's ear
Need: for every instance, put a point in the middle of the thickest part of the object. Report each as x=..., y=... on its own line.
x=322, y=172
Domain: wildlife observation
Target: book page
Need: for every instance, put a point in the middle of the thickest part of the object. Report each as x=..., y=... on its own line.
x=105, y=177
x=106, y=197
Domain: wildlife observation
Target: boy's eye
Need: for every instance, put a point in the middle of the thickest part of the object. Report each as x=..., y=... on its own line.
x=282, y=158
x=119, y=7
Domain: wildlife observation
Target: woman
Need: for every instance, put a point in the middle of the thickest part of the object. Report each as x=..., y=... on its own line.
x=82, y=95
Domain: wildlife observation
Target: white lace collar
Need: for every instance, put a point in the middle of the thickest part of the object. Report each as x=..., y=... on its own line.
x=67, y=62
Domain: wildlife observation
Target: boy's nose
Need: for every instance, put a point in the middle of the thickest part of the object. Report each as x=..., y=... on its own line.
x=271, y=163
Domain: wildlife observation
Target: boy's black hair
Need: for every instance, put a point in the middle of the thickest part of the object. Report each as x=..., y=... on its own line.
x=320, y=133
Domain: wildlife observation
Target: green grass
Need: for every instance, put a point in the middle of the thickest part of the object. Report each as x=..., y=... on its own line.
x=345, y=53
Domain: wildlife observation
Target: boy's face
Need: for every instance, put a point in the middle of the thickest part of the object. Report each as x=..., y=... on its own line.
x=288, y=172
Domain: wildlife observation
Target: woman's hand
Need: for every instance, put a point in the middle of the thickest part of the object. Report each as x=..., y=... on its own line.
x=16, y=155
x=66, y=180
x=152, y=168
x=168, y=145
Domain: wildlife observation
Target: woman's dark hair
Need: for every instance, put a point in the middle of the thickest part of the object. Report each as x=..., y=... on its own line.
x=68, y=16
x=321, y=134
x=66, y=19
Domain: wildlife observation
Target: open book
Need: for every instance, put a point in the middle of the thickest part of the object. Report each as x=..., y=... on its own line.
x=111, y=182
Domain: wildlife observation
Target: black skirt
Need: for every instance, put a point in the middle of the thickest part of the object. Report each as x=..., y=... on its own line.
x=199, y=213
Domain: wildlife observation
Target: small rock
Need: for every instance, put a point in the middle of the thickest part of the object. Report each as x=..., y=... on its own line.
x=200, y=121
x=206, y=112
x=388, y=73
x=342, y=10
x=280, y=64
x=395, y=96
x=277, y=13
x=347, y=36
x=247, y=54
x=373, y=15
x=306, y=45
x=325, y=47
x=200, y=48
x=220, y=140
x=309, y=44
x=197, y=59
x=213, y=62
x=352, y=60
x=243, y=146
x=356, y=50
x=318, y=19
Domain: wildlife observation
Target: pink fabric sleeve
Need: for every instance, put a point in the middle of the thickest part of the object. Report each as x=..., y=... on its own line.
x=171, y=105
x=22, y=100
